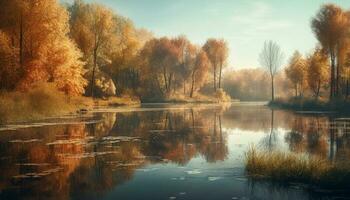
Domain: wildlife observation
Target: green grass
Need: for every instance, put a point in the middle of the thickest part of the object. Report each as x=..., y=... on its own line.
x=291, y=167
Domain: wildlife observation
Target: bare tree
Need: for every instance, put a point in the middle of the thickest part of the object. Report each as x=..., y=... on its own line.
x=271, y=58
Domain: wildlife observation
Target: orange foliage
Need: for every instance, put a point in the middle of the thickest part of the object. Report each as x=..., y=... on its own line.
x=39, y=31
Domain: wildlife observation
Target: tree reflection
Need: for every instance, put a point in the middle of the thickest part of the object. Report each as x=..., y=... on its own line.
x=85, y=160
x=319, y=135
x=270, y=141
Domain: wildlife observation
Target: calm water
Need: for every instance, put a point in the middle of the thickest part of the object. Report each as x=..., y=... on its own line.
x=162, y=152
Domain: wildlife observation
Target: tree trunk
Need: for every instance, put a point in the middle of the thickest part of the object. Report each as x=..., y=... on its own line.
x=93, y=73
x=215, y=123
x=220, y=128
x=169, y=82
x=318, y=89
x=272, y=129
x=220, y=75
x=331, y=93
x=347, y=88
x=332, y=141
x=21, y=38
x=214, y=79
x=193, y=124
x=272, y=89
x=165, y=79
x=184, y=87
x=192, y=85
x=214, y=76
x=337, y=81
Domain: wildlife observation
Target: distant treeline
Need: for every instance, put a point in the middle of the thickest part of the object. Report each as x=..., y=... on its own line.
x=253, y=85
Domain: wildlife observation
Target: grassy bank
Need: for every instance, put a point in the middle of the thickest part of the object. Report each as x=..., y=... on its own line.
x=306, y=104
x=290, y=167
x=46, y=102
x=180, y=99
x=217, y=97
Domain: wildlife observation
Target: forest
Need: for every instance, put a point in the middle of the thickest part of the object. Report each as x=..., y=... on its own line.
x=87, y=49
x=65, y=53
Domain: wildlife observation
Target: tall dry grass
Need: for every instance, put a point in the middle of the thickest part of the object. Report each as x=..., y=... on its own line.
x=42, y=101
x=291, y=167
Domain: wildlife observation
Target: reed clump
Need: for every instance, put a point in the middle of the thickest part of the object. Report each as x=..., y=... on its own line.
x=293, y=167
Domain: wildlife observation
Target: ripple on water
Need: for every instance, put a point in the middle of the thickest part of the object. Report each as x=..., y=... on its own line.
x=26, y=141
x=35, y=175
x=214, y=178
x=193, y=172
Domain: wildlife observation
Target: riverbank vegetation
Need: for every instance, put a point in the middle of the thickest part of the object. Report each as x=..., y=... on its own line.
x=87, y=50
x=39, y=102
x=297, y=168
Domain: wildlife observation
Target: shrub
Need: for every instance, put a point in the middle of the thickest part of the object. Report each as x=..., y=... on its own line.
x=221, y=96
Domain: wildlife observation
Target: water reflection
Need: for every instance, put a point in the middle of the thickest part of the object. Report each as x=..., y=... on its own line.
x=89, y=160
x=323, y=136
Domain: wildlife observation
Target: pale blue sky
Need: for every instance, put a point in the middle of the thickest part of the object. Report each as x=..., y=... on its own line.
x=245, y=24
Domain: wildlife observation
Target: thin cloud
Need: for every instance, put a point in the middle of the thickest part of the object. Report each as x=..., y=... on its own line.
x=259, y=21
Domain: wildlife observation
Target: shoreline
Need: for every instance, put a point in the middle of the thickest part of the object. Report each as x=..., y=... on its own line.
x=310, y=105
x=86, y=107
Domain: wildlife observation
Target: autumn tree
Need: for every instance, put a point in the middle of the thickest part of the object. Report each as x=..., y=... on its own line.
x=169, y=64
x=297, y=73
x=223, y=55
x=92, y=29
x=317, y=72
x=217, y=51
x=9, y=65
x=271, y=58
x=346, y=75
x=122, y=67
x=343, y=51
x=159, y=58
x=330, y=26
x=39, y=30
x=14, y=21
x=199, y=71
x=186, y=59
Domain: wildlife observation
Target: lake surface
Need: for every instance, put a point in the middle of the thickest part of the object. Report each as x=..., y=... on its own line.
x=162, y=151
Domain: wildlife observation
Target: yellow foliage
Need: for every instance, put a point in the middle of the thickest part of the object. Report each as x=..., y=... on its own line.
x=296, y=72
x=46, y=54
